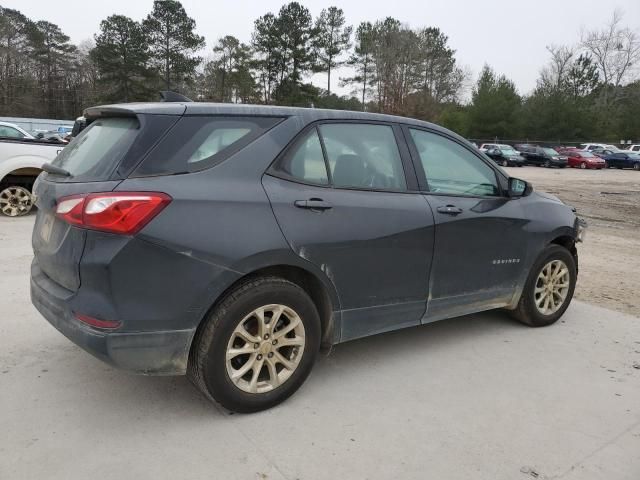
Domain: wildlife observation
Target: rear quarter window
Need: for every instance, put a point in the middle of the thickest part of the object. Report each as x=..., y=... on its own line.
x=199, y=142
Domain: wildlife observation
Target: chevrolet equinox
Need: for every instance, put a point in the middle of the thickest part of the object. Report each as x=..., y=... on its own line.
x=231, y=242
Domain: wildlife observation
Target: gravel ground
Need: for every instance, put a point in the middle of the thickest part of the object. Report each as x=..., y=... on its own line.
x=610, y=257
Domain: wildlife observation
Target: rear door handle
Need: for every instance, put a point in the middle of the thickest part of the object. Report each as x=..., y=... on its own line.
x=449, y=210
x=313, y=204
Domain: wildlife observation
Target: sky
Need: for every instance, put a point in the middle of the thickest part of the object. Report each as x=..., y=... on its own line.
x=509, y=35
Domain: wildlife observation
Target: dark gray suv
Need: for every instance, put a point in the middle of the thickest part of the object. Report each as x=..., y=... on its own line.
x=231, y=242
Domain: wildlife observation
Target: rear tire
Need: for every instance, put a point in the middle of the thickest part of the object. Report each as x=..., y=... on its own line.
x=533, y=309
x=636, y=166
x=272, y=371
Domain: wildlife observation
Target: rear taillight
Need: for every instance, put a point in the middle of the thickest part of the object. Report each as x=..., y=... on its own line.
x=115, y=212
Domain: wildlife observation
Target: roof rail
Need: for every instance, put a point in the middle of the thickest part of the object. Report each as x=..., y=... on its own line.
x=169, y=96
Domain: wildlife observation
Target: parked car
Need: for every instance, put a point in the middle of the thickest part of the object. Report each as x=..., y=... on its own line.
x=506, y=156
x=21, y=162
x=583, y=159
x=598, y=146
x=622, y=160
x=9, y=130
x=634, y=148
x=488, y=146
x=229, y=242
x=541, y=156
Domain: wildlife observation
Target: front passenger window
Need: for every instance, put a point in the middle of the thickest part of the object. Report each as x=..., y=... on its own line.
x=451, y=168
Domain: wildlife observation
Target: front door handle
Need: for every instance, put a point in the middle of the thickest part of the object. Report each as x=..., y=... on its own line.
x=313, y=204
x=449, y=210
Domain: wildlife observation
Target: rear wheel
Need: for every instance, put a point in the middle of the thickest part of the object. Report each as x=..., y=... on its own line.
x=257, y=346
x=549, y=288
x=636, y=166
x=15, y=201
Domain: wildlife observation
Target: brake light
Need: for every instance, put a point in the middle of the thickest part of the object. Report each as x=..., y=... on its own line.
x=115, y=212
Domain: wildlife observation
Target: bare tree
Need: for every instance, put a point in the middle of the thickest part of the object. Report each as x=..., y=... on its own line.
x=555, y=73
x=615, y=49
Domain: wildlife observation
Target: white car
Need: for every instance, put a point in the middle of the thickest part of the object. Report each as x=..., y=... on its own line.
x=9, y=130
x=21, y=160
x=634, y=148
x=598, y=146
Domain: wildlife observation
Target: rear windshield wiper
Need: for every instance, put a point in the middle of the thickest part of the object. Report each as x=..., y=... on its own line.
x=49, y=168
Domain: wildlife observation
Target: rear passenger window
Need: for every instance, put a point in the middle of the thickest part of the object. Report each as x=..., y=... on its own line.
x=198, y=142
x=305, y=161
x=363, y=156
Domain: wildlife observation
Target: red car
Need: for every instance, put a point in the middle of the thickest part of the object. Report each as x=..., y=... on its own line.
x=583, y=159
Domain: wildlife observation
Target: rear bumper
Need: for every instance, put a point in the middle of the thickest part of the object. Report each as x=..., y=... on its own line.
x=151, y=353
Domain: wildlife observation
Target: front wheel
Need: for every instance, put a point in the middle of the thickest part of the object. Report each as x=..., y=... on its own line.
x=583, y=165
x=505, y=163
x=547, y=164
x=257, y=346
x=636, y=166
x=549, y=288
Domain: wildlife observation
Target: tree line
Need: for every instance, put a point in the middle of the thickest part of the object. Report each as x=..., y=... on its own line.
x=590, y=90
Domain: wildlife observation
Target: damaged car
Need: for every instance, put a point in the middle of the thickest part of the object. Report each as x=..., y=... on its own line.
x=231, y=243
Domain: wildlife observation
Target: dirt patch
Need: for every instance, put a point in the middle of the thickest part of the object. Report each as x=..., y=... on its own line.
x=610, y=256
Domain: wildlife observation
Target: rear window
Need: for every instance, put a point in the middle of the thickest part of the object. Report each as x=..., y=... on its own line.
x=97, y=151
x=198, y=142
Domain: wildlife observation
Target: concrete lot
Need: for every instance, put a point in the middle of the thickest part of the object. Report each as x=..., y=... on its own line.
x=475, y=397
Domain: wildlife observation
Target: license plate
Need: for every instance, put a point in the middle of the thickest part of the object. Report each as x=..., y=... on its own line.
x=46, y=227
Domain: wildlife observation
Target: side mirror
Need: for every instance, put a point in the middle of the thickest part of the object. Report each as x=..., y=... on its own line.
x=519, y=188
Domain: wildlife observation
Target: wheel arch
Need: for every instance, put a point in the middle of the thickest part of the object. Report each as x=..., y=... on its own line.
x=320, y=290
x=568, y=242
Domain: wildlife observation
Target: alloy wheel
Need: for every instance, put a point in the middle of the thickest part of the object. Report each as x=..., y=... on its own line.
x=265, y=348
x=15, y=201
x=552, y=287
x=583, y=165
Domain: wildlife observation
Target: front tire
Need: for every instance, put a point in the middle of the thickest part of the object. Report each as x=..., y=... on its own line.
x=257, y=346
x=505, y=163
x=549, y=288
x=15, y=201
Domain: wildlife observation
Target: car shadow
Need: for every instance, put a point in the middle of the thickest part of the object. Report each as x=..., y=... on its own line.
x=130, y=395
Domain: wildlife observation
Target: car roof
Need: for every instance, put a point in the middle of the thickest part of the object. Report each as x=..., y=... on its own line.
x=201, y=108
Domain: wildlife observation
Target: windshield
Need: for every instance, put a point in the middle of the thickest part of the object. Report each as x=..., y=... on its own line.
x=550, y=151
x=98, y=150
x=508, y=151
x=586, y=154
